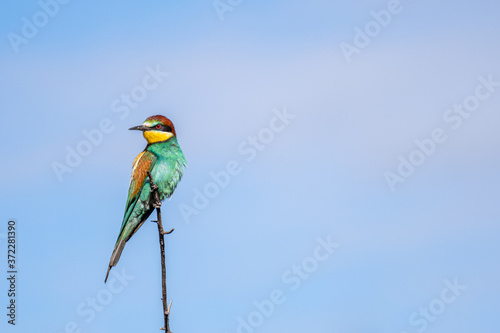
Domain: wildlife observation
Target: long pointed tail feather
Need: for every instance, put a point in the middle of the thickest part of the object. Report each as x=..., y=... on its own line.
x=107, y=274
x=115, y=256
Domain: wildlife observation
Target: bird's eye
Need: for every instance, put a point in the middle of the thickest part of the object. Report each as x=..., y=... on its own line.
x=158, y=126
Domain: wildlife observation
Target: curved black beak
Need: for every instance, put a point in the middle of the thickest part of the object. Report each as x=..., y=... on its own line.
x=140, y=128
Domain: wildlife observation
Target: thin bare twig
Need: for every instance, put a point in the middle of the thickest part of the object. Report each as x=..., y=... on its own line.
x=161, y=233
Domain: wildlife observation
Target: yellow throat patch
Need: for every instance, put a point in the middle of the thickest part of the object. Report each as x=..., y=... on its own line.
x=156, y=136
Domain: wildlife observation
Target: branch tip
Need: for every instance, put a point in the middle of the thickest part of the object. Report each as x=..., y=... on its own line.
x=169, y=306
x=168, y=232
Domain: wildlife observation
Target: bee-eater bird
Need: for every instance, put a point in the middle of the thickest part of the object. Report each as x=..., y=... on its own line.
x=164, y=159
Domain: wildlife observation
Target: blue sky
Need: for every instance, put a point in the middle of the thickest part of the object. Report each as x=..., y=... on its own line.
x=321, y=176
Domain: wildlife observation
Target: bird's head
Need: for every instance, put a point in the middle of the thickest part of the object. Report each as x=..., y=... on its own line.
x=156, y=129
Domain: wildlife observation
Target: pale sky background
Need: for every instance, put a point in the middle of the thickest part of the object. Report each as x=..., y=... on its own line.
x=323, y=175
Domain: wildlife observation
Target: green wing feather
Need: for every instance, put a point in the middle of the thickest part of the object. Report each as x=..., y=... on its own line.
x=138, y=207
x=138, y=196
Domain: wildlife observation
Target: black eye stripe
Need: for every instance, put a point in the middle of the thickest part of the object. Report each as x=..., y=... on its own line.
x=162, y=128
